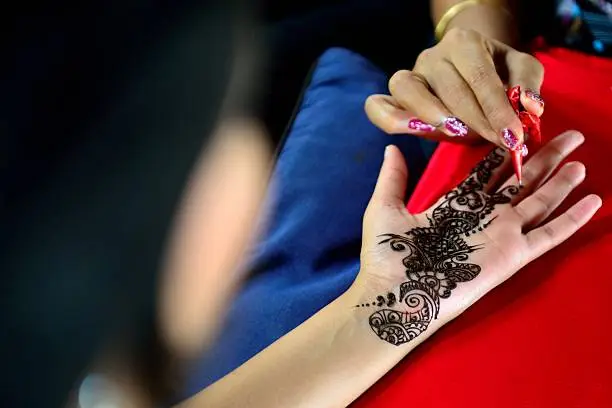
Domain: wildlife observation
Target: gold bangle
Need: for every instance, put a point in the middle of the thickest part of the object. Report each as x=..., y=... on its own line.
x=456, y=9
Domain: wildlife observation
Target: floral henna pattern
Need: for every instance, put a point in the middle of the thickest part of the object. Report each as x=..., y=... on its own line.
x=437, y=256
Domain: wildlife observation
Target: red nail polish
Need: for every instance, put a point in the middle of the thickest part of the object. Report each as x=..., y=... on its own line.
x=534, y=97
x=456, y=126
x=418, y=124
x=510, y=139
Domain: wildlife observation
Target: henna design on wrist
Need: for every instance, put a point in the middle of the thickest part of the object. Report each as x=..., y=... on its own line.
x=437, y=255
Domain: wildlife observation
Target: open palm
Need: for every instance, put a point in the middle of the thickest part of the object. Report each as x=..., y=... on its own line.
x=420, y=268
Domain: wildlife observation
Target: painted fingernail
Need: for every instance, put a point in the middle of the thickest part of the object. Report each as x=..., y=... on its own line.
x=534, y=96
x=524, y=150
x=455, y=126
x=418, y=124
x=510, y=139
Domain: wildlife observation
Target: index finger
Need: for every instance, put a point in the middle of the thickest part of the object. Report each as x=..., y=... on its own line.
x=527, y=72
x=476, y=66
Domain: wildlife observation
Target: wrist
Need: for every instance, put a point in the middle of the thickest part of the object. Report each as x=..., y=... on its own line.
x=368, y=299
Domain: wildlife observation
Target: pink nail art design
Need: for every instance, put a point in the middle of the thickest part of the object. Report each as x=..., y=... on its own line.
x=418, y=124
x=456, y=126
x=510, y=139
x=524, y=150
x=534, y=97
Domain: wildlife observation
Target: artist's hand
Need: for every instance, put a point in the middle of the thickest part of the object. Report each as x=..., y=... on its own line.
x=459, y=84
x=427, y=268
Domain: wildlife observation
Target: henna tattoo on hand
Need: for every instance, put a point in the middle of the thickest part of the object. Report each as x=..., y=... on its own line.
x=437, y=255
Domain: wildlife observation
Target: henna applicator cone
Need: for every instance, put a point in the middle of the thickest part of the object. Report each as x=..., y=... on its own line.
x=531, y=129
x=517, y=163
x=517, y=152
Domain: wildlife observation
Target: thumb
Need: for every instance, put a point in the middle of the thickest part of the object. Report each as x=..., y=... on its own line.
x=527, y=72
x=391, y=184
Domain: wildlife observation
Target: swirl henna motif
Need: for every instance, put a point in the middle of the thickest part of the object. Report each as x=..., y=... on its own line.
x=436, y=256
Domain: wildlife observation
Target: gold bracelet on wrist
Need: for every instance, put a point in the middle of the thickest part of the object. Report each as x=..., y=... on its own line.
x=456, y=9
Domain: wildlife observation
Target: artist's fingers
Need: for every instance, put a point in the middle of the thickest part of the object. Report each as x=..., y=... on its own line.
x=548, y=236
x=390, y=187
x=457, y=96
x=544, y=162
x=534, y=209
x=474, y=62
x=412, y=92
x=386, y=113
x=527, y=72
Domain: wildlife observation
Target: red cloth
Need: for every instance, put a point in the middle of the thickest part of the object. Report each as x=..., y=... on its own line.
x=544, y=338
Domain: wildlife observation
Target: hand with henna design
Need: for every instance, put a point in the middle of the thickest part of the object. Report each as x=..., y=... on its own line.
x=422, y=270
x=418, y=271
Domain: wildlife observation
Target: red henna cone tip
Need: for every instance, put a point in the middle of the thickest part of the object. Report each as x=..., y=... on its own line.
x=517, y=163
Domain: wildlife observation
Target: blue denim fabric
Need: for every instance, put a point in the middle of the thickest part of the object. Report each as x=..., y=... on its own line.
x=323, y=180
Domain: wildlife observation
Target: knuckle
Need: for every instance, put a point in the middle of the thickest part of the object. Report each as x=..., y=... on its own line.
x=525, y=58
x=372, y=99
x=549, y=232
x=370, y=103
x=573, y=220
x=575, y=167
x=374, y=112
x=400, y=77
x=396, y=174
x=556, y=155
x=520, y=211
x=460, y=35
x=453, y=96
x=538, y=68
x=481, y=75
x=423, y=57
x=387, y=125
x=567, y=177
x=376, y=105
x=533, y=65
x=500, y=117
x=543, y=202
x=529, y=174
x=441, y=69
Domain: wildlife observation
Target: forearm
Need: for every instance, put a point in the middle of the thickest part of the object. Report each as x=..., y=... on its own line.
x=327, y=361
x=495, y=20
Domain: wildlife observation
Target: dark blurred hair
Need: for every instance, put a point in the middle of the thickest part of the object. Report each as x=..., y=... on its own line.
x=104, y=108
